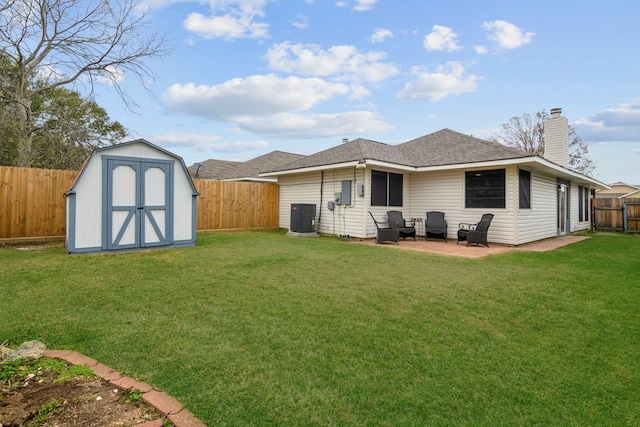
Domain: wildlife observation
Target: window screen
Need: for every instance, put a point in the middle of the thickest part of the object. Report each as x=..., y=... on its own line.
x=378, y=188
x=485, y=189
x=580, y=203
x=524, y=189
x=386, y=188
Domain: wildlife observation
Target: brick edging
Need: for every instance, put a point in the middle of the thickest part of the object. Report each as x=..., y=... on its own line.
x=165, y=404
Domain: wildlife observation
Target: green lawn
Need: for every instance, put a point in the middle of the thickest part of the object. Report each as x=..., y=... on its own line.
x=259, y=328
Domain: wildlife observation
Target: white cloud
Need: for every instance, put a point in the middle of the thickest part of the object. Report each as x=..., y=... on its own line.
x=229, y=19
x=206, y=143
x=271, y=105
x=447, y=80
x=301, y=21
x=111, y=75
x=507, y=35
x=340, y=62
x=259, y=95
x=362, y=5
x=612, y=124
x=441, y=38
x=380, y=34
x=226, y=26
x=481, y=50
x=310, y=126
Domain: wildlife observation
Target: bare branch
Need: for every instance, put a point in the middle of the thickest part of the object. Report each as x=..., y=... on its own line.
x=80, y=42
x=526, y=133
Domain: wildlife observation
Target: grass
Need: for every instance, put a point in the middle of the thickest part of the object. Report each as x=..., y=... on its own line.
x=258, y=328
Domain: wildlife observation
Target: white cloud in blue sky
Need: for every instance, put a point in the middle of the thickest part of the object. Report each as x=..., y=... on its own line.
x=380, y=34
x=621, y=123
x=441, y=38
x=251, y=76
x=446, y=80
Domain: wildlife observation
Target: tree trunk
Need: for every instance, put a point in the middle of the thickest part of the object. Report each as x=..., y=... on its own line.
x=25, y=122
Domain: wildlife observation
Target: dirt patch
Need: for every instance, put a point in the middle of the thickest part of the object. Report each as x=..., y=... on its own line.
x=42, y=400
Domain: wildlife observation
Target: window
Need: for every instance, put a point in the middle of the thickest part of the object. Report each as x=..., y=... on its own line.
x=524, y=189
x=386, y=188
x=485, y=189
x=580, y=203
x=586, y=204
x=583, y=203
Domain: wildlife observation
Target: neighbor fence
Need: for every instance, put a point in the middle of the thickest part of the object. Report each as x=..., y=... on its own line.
x=32, y=203
x=612, y=214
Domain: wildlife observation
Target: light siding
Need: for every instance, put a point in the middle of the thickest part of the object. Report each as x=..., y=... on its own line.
x=319, y=188
x=540, y=221
x=429, y=191
x=444, y=191
x=576, y=224
x=88, y=195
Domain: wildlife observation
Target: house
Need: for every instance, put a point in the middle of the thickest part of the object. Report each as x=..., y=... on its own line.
x=242, y=171
x=532, y=197
x=131, y=196
x=619, y=190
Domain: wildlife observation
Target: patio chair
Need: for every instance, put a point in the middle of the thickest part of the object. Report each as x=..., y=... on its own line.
x=475, y=233
x=406, y=229
x=436, y=226
x=385, y=234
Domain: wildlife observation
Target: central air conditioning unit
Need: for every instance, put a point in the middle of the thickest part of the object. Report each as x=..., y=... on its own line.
x=303, y=218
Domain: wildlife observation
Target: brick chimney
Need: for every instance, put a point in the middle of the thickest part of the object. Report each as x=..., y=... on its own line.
x=556, y=138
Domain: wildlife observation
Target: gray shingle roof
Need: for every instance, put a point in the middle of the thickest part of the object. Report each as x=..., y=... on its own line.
x=444, y=147
x=224, y=169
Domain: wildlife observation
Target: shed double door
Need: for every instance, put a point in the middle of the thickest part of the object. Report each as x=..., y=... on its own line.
x=139, y=204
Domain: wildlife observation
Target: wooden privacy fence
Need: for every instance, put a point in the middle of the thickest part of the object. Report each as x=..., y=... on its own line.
x=225, y=205
x=611, y=214
x=32, y=203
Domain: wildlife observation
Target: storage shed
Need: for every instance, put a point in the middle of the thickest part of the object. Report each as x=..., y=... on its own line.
x=131, y=196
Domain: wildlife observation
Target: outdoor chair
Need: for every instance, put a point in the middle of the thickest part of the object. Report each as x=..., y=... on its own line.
x=475, y=233
x=385, y=234
x=436, y=226
x=406, y=229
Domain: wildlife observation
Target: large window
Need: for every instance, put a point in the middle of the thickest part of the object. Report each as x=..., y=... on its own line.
x=485, y=189
x=386, y=188
x=524, y=189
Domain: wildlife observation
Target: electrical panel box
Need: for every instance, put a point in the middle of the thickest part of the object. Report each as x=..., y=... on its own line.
x=360, y=189
x=346, y=193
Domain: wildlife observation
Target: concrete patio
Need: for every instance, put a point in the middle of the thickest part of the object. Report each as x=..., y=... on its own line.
x=462, y=250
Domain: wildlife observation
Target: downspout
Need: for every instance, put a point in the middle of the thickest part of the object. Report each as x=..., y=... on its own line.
x=320, y=207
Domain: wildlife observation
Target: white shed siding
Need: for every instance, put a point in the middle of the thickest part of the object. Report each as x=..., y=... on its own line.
x=87, y=197
x=88, y=218
x=183, y=215
x=539, y=222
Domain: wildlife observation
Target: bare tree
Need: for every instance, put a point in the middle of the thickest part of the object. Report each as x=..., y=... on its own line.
x=63, y=42
x=526, y=133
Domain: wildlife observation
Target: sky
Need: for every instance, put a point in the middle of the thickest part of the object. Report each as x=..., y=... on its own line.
x=247, y=77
